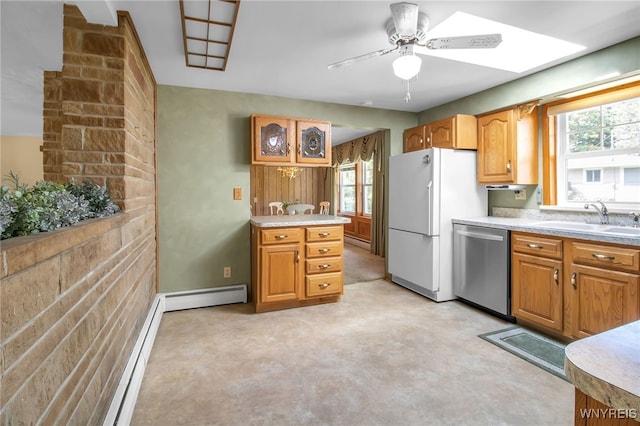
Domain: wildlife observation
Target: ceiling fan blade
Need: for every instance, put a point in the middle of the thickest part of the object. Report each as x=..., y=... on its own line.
x=481, y=41
x=405, y=18
x=360, y=58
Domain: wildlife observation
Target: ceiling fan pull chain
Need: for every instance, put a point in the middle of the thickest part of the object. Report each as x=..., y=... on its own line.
x=407, y=97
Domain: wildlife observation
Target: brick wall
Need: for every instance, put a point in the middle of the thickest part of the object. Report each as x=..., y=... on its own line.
x=72, y=302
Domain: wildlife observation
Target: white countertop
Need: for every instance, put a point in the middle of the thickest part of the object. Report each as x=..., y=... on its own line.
x=606, y=366
x=534, y=225
x=298, y=220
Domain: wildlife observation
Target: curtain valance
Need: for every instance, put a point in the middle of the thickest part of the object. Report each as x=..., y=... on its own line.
x=357, y=149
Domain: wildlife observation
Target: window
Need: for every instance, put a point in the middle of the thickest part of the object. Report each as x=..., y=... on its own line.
x=631, y=176
x=592, y=176
x=355, y=182
x=347, y=179
x=597, y=149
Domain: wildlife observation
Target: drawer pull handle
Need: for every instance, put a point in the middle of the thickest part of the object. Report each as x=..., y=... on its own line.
x=509, y=166
x=536, y=246
x=556, y=276
x=324, y=234
x=324, y=250
x=281, y=237
x=602, y=256
x=325, y=266
x=324, y=285
x=574, y=283
x=298, y=256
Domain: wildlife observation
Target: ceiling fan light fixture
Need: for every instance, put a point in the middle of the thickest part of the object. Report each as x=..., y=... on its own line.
x=407, y=66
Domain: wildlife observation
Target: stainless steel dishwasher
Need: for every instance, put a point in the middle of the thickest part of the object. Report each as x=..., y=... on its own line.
x=481, y=268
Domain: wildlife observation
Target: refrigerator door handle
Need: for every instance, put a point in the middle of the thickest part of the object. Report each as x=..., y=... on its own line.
x=480, y=236
x=430, y=208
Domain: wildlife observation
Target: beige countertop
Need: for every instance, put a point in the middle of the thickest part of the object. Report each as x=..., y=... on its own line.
x=538, y=226
x=297, y=220
x=606, y=366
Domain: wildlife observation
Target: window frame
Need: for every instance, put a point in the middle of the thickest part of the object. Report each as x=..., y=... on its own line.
x=550, y=143
x=359, y=189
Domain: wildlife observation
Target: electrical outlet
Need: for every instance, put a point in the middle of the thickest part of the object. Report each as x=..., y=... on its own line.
x=521, y=194
x=237, y=193
x=227, y=271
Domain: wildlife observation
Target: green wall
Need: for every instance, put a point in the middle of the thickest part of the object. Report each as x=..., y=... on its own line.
x=623, y=58
x=203, y=153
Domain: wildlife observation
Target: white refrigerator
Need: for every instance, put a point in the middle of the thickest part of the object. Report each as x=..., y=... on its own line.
x=427, y=189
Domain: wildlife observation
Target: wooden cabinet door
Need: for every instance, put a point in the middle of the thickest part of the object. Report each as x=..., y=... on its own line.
x=414, y=139
x=496, y=147
x=272, y=139
x=280, y=273
x=536, y=290
x=313, y=143
x=442, y=133
x=602, y=299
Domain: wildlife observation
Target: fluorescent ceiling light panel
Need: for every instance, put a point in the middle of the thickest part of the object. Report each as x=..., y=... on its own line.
x=519, y=51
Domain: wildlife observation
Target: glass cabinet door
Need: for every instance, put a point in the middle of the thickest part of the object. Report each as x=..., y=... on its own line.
x=314, y=142
x=273, y=138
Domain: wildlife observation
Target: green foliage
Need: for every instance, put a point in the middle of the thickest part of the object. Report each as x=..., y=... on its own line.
x=48, y=206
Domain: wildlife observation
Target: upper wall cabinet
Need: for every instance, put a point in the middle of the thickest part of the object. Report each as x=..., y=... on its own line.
x=508, y=146
x=414, y=139
x=289, y=141
x=457, y=132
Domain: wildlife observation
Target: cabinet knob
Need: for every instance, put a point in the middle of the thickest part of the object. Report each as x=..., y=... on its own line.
x=556, y=276
x=574, y=282
x=324, y=285
x=421, y=141
x=603, y=256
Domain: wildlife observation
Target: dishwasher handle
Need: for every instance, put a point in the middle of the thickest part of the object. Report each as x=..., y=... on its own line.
x=480, y=236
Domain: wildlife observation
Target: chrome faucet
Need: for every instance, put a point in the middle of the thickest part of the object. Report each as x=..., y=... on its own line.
x=602, y=211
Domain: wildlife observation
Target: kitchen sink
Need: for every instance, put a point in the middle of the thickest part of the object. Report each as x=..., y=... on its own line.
x=558, y=224
x=590, y=227
x=626, y=230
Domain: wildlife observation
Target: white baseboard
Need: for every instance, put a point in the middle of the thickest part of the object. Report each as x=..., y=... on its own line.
x=206, y=297
x=124, y=400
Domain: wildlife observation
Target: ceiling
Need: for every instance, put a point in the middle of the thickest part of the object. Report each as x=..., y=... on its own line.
x=282, y=48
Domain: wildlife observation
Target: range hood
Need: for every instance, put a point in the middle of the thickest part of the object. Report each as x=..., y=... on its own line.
x=505, y=187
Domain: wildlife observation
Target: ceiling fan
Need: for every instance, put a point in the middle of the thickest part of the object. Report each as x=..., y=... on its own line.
x=407, y=30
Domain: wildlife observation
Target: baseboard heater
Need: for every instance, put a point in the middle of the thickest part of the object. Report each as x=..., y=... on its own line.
x=206, y=297
x=124, y=400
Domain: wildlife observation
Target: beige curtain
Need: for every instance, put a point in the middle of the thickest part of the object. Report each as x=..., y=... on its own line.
x=364, y=148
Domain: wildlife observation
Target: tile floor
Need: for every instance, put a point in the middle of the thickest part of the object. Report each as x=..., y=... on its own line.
x=381, y=356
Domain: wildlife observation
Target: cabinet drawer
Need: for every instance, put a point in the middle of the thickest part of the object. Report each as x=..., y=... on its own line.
x=280, y=235
x=537, y=245
x=330, y=248
x=324, y=233
x=624, y=259
x=324, y=264
x=324, y=284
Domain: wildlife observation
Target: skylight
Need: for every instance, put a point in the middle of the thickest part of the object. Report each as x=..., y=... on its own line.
x=519, y=51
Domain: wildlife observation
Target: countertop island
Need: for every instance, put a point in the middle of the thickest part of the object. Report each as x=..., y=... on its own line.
x=298, y=220
x=606, y=367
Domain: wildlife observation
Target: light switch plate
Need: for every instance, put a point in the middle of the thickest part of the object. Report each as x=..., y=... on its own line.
x=237, y=193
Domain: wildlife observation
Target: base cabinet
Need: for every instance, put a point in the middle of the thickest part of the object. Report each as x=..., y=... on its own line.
x=296, y=266
x=591, y=412
x=573, y=287
x=537, y=294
